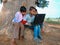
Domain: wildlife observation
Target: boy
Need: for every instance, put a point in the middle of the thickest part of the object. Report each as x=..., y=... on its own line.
x=17, y=21
x=30, y=17
x=31, y=24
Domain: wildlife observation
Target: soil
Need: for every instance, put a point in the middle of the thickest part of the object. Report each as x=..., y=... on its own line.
x=51, y=36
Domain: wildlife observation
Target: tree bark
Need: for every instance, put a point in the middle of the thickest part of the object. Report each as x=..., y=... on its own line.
x=8, y=11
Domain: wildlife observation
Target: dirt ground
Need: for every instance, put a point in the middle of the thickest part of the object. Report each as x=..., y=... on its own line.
x=51, y=36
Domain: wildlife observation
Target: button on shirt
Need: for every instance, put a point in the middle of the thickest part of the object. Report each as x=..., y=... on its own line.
x=18, y=17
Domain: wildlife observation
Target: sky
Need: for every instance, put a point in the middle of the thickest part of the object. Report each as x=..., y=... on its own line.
x=53, y=9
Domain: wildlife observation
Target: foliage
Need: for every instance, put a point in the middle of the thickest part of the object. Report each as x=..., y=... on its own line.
x=0, y=1
x=52, y=22
x=42, y=3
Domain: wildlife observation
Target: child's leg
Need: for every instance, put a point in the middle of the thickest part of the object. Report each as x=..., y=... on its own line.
x=39, y=32
x=16, y=30
x=22, y=31
x=13, y=42
x=35, y=32
x=15, y=34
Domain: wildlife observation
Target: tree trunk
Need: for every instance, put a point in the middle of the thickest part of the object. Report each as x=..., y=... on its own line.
x=8, y=11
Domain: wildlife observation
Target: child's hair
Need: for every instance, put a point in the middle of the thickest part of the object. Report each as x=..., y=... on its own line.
x=31, y=8
x=22, y=9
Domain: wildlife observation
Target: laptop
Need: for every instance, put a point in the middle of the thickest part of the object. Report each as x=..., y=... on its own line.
x=39, y=18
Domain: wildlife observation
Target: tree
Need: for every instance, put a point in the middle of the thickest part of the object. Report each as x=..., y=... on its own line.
x=42, y=3
x=10, y=7
x=59, y=17
x=0, y=1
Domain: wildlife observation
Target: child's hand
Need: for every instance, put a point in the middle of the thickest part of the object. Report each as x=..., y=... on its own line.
x=23, y=21
x=28, y=24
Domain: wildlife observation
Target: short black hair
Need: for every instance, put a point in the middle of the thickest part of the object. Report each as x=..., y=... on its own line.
x=22, y=9
x=31, y=8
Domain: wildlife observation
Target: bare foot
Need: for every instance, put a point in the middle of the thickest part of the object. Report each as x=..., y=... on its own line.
x=13, y=43
x=22, y=38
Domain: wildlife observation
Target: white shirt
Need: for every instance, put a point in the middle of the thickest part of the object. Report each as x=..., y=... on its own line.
x=18, y=17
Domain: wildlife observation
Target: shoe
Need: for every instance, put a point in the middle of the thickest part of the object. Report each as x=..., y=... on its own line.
x=40, y=37
x=37, y=40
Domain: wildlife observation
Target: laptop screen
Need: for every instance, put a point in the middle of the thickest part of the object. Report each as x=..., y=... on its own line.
x=39, y=18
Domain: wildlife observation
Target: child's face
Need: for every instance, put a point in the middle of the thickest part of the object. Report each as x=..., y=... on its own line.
x=33, y=12
x=23, y=13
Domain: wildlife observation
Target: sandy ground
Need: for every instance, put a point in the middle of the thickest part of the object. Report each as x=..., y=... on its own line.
x=51, y=36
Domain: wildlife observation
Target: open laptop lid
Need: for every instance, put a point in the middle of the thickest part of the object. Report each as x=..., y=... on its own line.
x=39, y=18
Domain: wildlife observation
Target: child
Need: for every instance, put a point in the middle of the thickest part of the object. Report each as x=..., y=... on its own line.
x=17, y=21
x=30, y=17
x=23, y=11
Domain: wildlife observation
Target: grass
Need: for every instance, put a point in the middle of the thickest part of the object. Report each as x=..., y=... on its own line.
x=53, y=22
